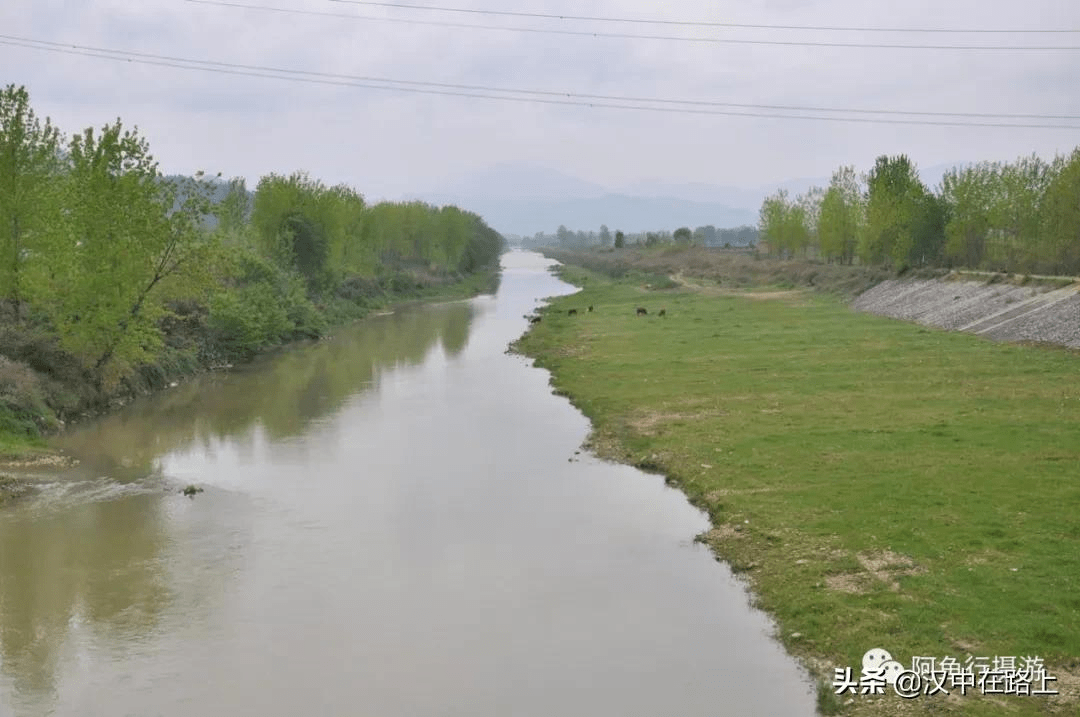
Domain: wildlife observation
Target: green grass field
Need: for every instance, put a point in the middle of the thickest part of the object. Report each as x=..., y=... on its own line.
x=878, y=483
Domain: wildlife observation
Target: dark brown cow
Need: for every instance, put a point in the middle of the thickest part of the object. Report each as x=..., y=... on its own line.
x=571, y=312
x=641, y=311
x=663, y=312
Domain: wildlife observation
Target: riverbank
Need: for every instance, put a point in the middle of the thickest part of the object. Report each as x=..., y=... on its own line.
x=24, y=431
x=877, y=483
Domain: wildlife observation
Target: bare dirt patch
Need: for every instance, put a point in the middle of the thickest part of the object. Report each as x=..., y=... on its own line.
x=877, y=568
x=647, y=423
x=715, y=290
x=853, y=583
x=716, y=495
x=722, y=533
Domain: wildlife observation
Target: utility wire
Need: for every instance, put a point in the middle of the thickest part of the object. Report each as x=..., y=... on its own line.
x=694, y=23
x=549, y=93
x=635, y=36
x=549, y=98
x=543, y=93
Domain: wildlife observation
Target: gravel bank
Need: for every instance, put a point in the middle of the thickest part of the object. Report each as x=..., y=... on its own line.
x=1003, y=312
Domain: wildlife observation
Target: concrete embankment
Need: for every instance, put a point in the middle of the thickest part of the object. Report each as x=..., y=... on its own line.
x=999, y=311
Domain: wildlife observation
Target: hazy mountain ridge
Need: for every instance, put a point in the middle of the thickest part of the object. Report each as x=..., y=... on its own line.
x=630, y=214
x=524, y=199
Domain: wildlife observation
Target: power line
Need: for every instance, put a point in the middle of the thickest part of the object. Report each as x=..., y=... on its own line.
x=477, y=91
x=550, y=93
x=637, y=36
x=696, y=23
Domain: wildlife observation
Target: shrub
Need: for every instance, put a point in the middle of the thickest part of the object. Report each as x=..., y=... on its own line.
x=23, y=410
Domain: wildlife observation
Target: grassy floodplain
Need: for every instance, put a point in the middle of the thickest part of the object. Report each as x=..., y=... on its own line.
x=879, y=484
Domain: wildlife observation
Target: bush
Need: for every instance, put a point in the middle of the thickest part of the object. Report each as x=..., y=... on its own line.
x=23, y=410
x=265, y=306
x=246, y=320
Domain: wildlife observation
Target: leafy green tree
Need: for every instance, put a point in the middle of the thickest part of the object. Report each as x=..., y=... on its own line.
x=683, y=235
x=967, y=192
x=235, y=209
x=895, y=196
x=1061, y=224
x=605, y=235
x=30, y=168
x=129, y=243
x=620, y=239
x=928, y=231
x=809, y=203
x=292, y=217
x=1016, y=216
x=841, y=216
x=783, y=225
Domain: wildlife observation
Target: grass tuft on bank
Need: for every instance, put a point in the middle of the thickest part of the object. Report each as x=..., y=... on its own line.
x=879, y=484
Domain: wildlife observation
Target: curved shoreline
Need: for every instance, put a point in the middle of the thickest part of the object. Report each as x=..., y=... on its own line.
x=799, y=453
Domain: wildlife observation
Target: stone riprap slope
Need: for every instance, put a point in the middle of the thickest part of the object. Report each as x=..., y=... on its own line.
x=1000, y=311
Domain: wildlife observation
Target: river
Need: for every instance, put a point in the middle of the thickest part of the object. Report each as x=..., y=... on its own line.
x=393, y=523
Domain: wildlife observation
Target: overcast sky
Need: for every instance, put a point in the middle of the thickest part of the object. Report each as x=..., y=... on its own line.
x=387, y=143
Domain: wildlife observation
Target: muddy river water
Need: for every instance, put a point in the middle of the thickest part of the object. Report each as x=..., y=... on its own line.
x=389, y=526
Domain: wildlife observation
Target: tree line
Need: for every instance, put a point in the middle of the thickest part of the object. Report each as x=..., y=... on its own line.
x=1021, y=216
x=701, y=236
x=106, y=265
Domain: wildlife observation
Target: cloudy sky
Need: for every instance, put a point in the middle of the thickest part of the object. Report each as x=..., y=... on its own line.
x=389, y=142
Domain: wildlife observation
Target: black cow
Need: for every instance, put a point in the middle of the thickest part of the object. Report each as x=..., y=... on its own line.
x=641, y=311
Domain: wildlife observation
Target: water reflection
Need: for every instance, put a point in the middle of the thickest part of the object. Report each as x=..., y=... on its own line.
x=282, y=394
x=390, y=527
x=96, y=552
x=96, y=562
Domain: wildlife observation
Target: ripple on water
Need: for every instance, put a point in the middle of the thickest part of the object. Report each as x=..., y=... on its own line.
x=51, y=495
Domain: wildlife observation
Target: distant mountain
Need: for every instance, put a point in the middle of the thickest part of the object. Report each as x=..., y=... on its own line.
x=525, y=217
x=521, y=198
x=516, y=181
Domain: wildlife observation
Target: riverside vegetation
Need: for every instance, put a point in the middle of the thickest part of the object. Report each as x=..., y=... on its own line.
x=878, y=484
x=116, y=280
x=1017, y=216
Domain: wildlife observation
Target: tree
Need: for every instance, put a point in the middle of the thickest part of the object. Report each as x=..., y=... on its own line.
x=895, y=196
x=783, y=224
x=1061, y=225
x=30, y=168
x=1016, y=217
x=605, y=235
x=235, y=209
x=620, y=239
x=683, y=235
x=841, y=216
x=130, y=241
x=967, y=193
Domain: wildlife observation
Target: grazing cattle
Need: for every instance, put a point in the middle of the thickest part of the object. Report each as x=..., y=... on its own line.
x=641, y=311
x=534, y=320
x=663, y=312
x=571, y=312
x=590, y=308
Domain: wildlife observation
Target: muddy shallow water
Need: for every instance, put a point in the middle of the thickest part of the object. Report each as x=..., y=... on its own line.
x=390, y=525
